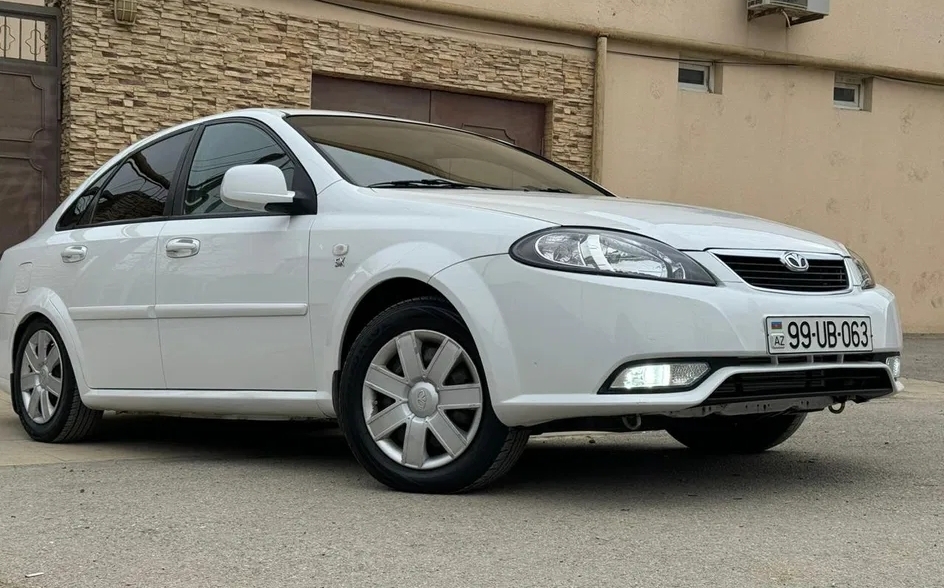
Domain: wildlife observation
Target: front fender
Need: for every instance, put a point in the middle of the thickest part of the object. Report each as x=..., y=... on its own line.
x=415, y=260
x=45, y=302
x=466, y=289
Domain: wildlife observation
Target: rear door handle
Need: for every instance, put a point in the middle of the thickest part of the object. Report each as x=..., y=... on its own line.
x=74, y=253
x=182, y=247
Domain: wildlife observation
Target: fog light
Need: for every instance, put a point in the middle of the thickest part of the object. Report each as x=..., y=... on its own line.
x=894, y=364
x=666, y=375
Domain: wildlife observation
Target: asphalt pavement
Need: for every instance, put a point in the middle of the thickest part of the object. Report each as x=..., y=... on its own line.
x=854, y=500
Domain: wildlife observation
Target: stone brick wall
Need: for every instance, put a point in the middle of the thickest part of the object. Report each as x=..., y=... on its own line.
x=184, y=59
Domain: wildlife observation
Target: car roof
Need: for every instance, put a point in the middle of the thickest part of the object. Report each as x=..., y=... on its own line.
x=316, y=112
x=263, y=114
x=292, y=112
x=284, y=112
x=348, y=113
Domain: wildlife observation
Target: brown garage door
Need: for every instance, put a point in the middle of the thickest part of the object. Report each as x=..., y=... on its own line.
x=520, y=123
x=29, y=119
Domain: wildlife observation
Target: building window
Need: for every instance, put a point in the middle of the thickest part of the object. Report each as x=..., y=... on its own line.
x=852, y=92
x=847, y=95
x=695, y=76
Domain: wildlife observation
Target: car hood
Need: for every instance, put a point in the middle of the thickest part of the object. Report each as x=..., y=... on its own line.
x=684, y=227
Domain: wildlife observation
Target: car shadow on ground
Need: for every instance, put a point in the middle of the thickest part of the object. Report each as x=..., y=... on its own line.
x=224, y=438
x=641, y=467
x=653, y=468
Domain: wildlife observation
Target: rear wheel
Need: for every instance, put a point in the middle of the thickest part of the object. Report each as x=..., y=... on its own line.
x=741, y=434
x=45, y=395
x=414, y=404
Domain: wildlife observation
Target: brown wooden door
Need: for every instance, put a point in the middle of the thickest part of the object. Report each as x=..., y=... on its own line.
x=29, y=121
x=520, y=123
x=329, y=93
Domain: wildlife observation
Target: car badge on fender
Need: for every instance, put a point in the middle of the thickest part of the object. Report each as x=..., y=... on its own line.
x=795, y=262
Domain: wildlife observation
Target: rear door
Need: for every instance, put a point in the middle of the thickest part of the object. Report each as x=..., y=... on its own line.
x=102, y=260
x=232, y=286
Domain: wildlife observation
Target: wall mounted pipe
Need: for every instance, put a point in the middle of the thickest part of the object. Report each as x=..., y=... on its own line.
x=599, y=108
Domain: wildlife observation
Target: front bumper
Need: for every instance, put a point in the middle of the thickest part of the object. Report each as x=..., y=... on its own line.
x=551, y=340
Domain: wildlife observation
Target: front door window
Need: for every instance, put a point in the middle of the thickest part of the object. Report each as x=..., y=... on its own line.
x=221, y=147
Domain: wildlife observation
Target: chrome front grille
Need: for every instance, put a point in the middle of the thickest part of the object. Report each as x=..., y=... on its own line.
x=823, y=275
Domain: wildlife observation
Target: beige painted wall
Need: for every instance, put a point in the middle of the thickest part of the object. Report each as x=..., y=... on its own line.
x=773, y=145
x=887, y=32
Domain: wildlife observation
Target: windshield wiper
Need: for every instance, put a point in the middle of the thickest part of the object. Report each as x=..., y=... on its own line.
x=443, y=183
x=435, y=183
x=536, y=189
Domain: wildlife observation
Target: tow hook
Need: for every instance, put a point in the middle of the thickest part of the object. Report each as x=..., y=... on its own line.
x=841, y=405
x=633, y=423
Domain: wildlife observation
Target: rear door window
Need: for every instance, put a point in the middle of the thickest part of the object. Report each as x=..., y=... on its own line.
x=78, y=214
x=139, y=189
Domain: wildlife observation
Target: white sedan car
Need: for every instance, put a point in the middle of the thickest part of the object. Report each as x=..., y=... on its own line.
x=441, y=294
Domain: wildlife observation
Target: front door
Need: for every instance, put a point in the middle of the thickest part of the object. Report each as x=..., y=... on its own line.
x=232, y=286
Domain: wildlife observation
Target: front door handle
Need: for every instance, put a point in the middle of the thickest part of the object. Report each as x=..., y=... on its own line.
x=182, y=247
x=74, y=253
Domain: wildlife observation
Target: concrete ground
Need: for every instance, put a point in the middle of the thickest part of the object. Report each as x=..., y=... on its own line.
x=923, y=358
x=853, y=500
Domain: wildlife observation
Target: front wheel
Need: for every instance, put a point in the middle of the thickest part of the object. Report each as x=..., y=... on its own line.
x=741, y=434
x=414, y=404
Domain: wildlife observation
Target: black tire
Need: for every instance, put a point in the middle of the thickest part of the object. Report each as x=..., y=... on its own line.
x=72, y=421
x=492, y=452
x=735, y=435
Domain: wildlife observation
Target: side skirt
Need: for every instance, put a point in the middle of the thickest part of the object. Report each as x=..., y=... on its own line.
x=263, y=404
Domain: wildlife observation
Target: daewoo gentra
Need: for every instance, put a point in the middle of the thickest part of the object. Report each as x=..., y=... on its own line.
x=442, y=294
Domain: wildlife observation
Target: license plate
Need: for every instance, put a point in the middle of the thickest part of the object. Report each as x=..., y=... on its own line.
x=807, y=335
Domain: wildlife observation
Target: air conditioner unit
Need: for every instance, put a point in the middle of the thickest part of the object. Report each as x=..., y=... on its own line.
x=796, y=11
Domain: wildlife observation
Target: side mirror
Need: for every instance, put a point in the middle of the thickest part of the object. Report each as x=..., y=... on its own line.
x=258, y=187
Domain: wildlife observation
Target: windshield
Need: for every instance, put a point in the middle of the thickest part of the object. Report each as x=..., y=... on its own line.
x=381, y=153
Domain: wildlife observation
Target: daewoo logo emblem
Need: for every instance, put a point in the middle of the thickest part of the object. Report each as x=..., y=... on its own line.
x=795, y=262
x=421, y=399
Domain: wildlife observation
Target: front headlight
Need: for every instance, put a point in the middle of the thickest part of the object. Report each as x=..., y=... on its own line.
x=868, y=280
x=606, y=252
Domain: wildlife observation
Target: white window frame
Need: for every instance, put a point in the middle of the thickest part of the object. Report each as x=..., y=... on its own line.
x=704, y=67
x=849, y=83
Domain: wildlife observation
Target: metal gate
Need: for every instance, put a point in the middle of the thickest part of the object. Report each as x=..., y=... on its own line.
x=29, y=118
